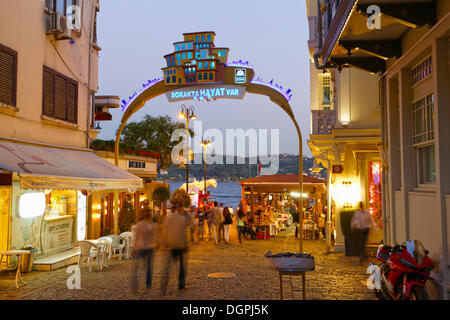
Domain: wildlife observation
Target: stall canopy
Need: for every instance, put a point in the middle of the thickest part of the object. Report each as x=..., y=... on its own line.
x=279, y=183
x=44, y=167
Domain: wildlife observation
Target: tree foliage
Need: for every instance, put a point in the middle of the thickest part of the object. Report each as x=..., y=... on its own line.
x=154, y=133
x=127, y=216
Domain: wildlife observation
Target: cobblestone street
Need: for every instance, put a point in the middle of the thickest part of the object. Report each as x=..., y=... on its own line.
x=335, y=277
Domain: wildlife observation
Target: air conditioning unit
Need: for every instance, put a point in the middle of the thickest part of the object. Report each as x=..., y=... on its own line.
x=57, y=25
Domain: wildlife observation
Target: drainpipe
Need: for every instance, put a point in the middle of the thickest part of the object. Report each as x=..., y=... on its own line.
x=90, y=95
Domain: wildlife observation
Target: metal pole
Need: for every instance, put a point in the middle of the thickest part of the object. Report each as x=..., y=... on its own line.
x=187, y=151
x=329, y=209
x=204, y=178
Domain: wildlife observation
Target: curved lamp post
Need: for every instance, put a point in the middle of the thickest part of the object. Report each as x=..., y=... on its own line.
x=187, y=113
x=205, y=143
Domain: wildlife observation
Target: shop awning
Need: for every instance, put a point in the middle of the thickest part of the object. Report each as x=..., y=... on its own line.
x=45, y=167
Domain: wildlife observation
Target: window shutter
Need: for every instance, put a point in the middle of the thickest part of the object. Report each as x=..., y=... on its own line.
x=8, y=75
x=60, y=98
x=49, y=94
x=71, y=102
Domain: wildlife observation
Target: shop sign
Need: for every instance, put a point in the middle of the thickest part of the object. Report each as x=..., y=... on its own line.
x=57, y=235
x=240, y=76
x=206, y=92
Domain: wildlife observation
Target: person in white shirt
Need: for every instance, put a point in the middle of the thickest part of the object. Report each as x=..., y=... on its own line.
x=362, y=222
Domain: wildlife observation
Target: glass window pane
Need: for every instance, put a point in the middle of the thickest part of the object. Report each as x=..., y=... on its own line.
x=326, y=95
x=60, y=7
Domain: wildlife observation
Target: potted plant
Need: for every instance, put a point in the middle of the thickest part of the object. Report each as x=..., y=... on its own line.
x=346, y=215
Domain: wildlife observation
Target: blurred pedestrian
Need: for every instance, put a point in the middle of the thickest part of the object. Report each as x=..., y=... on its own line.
x=241, y=217
x=176, y=238
x=145, y=234
x=201, y=217
x=191, y=214
x=227, y=221
x=208, y=220
x=295, y=218
x=221, y=231
x=216, y=220
x=361, y=223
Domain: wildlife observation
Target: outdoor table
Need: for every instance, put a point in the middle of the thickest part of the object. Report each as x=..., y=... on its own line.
x=19, y=254
x=103, y=247
x=291, y=273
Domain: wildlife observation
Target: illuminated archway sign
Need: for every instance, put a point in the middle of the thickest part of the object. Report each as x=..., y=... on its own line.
x=198, y=70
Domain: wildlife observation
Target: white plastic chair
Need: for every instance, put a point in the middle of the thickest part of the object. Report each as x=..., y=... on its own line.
x=116, y=246
x=128, y=239
x=106, y=248
x=89, y=251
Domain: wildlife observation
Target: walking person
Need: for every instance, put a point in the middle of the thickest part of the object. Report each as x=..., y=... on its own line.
x=176, y=238
x=216, y=220
x=145, y=235
x=221, y=230
x=208, y=220
x=361, y=223
x=227, y=221
x=240, y=223
x=191, y=214
x=201, y=218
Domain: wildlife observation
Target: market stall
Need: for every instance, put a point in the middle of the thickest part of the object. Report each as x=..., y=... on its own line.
x=268, y=198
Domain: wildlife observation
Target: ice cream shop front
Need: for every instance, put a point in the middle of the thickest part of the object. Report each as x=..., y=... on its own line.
x=46, y=198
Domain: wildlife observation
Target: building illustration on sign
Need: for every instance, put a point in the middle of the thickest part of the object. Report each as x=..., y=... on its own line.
x=196, y=60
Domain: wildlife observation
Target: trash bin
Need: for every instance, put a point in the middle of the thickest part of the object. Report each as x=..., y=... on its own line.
x=27, y=259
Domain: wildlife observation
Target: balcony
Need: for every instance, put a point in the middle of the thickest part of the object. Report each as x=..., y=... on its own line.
x=323, y=121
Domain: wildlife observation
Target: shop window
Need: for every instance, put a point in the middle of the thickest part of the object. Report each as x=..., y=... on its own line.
x=421, y=71
x=326, y=91
x=60, y=96
x=211, y=76
x=8, y=75
x=375, y=200
x=423, y=139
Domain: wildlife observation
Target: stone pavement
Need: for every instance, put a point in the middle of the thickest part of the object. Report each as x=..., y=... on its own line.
x=336, y=276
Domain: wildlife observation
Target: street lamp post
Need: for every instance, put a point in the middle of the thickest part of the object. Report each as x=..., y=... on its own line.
x=188, y=114
x=205, y=143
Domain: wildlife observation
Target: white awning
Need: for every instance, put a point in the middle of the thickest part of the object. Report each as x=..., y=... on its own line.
x=44, y=167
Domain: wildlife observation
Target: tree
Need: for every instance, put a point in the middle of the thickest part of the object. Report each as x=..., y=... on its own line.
x=161, y=193
x=154, y=133
x=180, y=198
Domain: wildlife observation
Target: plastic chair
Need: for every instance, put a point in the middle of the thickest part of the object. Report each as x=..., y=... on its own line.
x=106, y=249
x=89, y=251
x=116, y=246
x=128, y=239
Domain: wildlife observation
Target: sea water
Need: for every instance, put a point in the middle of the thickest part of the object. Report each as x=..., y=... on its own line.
x=227, y=192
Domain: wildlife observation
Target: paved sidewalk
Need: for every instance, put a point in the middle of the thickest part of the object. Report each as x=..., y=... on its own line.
x=335, y=277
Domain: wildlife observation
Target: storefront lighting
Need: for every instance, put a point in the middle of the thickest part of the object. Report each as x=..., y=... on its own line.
x=32, y=205
x=297, y=194
x=99, y=206
x=81, y=218
x=98, y=216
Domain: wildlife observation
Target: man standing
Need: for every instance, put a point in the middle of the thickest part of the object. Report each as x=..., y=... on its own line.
x=361, y=223
x=221, y=230
x=216, y=221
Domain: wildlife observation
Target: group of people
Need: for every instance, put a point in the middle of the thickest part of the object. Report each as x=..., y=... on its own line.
x=218, y=219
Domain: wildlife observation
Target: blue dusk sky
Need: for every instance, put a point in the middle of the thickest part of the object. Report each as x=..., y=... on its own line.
x=135, y=35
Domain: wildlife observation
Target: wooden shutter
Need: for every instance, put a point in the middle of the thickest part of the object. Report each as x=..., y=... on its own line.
x=49, y=94
x=71, y=102
x=60, y=96
x=8, y=75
